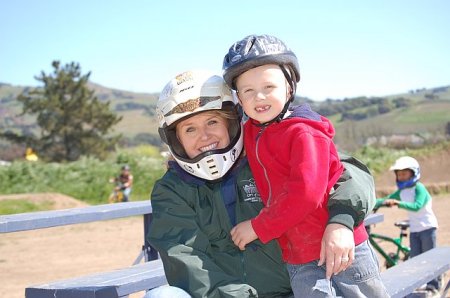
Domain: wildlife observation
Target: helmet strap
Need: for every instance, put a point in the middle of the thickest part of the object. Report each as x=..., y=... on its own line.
x=290, y=81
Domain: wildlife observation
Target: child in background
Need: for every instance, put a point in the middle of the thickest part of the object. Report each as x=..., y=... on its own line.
x=413, y=196
x=295, y=164
x=124, y=182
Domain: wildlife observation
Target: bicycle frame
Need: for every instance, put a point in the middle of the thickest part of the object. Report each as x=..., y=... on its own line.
x=392, y=259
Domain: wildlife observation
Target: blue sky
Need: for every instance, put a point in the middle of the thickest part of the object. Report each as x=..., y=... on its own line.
x=345, y=48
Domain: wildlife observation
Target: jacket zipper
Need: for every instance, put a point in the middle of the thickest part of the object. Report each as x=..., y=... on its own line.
x=244, y=271
x=268, y=182
x=262, y=166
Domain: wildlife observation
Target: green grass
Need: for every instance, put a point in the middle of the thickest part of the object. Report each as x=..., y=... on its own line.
x=14, y=206
x=87, y=178
x=429, y=113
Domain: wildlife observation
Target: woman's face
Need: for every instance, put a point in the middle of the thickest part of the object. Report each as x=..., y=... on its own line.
x=203, y=132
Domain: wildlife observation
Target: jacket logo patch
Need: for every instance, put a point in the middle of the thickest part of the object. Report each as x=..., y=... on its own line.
x=251, y=192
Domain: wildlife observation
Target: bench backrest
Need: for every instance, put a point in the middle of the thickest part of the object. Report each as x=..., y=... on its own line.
x=47, y=219
x=404, y=278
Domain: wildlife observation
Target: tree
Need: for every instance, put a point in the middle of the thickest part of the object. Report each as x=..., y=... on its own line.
x=72, y=121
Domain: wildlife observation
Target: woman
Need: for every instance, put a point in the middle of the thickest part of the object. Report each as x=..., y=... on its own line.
x=208, y=188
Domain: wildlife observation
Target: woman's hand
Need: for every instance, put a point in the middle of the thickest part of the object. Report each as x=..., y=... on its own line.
x=338, y=249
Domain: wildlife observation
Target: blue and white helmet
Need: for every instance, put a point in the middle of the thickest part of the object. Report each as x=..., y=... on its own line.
x=187, y=94
x=256, y=50
x=403, y=163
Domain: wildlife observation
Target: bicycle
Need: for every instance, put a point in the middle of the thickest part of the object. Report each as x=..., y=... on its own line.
x=116, y=195
x=402, y=251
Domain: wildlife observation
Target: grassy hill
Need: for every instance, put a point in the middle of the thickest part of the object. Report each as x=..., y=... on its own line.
x=137, y=109
x=404, y=120
x=421, y=115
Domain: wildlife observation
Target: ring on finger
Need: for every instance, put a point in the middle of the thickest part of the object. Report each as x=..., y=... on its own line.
x=344, y=259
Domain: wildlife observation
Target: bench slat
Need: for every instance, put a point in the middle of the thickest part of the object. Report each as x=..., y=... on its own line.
x=373, y=218
x=114, y=284
x=405, y=277
x=47, y=219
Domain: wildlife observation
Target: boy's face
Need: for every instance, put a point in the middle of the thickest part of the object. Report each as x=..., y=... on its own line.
x=262, y=92
x=203, y=132
x=403, y=175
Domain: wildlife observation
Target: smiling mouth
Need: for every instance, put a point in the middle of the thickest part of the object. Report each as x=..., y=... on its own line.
x=209, y=147
x=262, y=109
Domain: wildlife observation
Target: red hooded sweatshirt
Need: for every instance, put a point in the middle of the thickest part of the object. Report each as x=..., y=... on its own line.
x=295, y=164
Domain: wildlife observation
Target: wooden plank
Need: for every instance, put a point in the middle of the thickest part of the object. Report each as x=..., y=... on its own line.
x=404, y=278
x=47, y=219
x=114, y=284
x=373, y=218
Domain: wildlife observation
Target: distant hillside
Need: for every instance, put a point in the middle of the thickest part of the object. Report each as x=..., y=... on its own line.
x=138, y=125
x=404, y=120
x=415, y=117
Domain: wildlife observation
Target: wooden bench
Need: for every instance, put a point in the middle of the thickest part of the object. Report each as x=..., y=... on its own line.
x=117, y=283
x=400, y=280
x=55, y=218
x=373, y=218
x=406, y=277
x=113, y=284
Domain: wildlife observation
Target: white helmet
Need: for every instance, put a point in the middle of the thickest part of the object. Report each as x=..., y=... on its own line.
x=407, y=162
x=190, y=93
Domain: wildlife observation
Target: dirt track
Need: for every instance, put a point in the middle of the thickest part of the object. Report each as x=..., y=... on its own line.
x=41, y=256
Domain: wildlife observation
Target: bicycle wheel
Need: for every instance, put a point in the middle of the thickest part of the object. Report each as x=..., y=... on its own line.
x=119, y=196
x=112, y=198
x=394, y=258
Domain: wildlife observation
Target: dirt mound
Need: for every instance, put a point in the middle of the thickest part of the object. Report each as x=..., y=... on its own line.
x=55, y=200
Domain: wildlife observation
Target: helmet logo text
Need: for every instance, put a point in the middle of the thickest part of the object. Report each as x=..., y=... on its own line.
x=192, y=104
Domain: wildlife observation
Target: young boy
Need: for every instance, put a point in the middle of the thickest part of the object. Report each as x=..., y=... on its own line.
x=295, y=165
x=413, y=196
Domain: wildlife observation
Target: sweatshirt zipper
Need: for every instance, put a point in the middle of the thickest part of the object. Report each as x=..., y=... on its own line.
x=268, y=183
x=261, y=164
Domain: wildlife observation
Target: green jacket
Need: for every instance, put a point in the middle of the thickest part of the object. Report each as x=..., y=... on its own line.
x=421, y=199
x=191, y=227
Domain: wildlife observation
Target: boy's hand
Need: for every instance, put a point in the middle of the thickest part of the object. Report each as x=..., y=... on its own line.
x=338, y=249
x=391, y=202
x=242, y=234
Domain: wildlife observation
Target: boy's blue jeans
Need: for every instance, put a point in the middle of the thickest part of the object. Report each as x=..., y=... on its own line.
x=361, y=279
x=420, y=242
